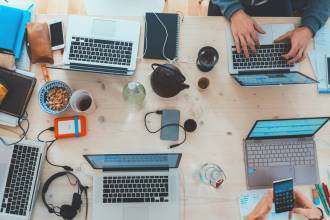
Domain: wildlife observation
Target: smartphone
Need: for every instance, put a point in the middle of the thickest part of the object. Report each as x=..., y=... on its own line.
x=328, y=62
x=283, y=195
x=56, y=34
x=170, y=133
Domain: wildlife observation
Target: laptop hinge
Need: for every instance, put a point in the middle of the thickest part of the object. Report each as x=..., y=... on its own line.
x=273, y=71
x=136, y=169
x=98, y=69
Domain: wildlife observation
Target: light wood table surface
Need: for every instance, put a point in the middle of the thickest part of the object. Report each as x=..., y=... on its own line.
x=225, y=113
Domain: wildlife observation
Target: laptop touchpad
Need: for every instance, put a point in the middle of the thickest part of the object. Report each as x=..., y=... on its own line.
x=136, y=214
x=105, y=28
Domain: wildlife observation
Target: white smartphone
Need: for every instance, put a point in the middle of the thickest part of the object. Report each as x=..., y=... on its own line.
x=56, y=34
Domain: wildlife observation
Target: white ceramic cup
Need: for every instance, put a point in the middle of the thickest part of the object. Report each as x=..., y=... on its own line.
x=82, y=101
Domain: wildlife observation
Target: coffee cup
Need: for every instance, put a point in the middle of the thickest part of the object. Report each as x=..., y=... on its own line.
x=203, y=83
x=82, y=101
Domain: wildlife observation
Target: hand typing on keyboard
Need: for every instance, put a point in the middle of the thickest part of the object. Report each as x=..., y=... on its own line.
x=299, y=40
x=244, y=30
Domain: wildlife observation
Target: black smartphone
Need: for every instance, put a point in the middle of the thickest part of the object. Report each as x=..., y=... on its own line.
x=56, y=34
x=283, y=195
x=170, y=133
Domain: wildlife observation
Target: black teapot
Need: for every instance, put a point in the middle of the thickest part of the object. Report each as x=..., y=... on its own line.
x=167, y=80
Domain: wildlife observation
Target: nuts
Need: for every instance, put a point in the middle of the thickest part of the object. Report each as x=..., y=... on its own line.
x=57, y=98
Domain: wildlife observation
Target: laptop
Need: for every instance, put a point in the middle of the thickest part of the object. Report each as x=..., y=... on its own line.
x=280, y=149
x=136, y=186
x=266, y=67
x=20, y=167
x=101, y=45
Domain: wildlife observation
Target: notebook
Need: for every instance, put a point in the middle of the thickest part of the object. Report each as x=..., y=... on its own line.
x=12, y=32
x=155, y=35
x=20, y=88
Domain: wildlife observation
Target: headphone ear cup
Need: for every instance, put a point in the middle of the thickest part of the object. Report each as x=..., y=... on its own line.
x=68, y=212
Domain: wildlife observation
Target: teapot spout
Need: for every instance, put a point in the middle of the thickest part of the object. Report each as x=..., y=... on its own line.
x=184, y=86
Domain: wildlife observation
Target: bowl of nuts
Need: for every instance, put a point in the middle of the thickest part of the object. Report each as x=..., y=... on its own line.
x=54, y=97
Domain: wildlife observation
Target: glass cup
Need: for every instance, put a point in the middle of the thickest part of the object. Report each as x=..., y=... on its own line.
x=212, y=174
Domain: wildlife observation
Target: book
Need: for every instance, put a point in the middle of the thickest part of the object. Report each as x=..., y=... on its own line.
x=12, y=32
x=20, y=88
x=155, y=36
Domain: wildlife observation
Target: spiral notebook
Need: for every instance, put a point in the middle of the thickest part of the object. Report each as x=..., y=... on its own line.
x=155, y=36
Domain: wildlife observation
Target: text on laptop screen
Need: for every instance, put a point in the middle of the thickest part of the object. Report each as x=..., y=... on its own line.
x=293, y=127
x=272, y=79
x=134, y=161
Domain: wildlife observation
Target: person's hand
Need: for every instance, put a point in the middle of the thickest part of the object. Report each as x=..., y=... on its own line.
x=263, y=208
x=244, y=30
x=299, y=39
x=304, y=207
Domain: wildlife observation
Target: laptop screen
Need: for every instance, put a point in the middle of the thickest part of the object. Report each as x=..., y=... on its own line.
x=133, y=161
x=264, y=79
x=287, y=127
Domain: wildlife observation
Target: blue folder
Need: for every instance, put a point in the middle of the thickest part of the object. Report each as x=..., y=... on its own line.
x=12, y=31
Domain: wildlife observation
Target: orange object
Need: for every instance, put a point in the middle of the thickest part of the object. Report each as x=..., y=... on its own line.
x=68, y=127
x=45, y=72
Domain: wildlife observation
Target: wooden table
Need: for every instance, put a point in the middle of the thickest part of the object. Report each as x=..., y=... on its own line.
x=225, y=113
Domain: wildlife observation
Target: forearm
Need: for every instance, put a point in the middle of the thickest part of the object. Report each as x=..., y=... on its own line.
x=316, y=14
x=228, y=7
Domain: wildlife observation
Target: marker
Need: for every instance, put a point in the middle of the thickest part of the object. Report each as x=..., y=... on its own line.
x=316, y=198
x=326, y=192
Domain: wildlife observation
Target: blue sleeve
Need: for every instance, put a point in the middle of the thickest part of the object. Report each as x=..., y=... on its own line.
x=228, y=7
x=316, y=14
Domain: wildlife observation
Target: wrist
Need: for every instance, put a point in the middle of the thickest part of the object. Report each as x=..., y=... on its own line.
x=308, y=31
x=239, y=13
x=317, y=214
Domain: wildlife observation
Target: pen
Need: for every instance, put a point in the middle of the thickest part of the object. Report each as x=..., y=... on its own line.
x=326, y=192
x=316, y=197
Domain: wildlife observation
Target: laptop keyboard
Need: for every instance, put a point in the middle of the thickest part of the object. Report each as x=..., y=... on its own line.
x=19, y=180
x=267, y=57
x=128, y=189
x=100, y=51
x=281, y=154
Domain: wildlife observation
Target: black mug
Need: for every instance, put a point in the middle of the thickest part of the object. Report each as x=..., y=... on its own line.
x=207, y=58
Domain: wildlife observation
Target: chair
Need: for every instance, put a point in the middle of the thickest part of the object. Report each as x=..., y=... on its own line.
x=123, y=7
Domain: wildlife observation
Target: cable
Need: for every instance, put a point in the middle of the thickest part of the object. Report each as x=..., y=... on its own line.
x=164, y=126
x=50, y=144
x=24, y=131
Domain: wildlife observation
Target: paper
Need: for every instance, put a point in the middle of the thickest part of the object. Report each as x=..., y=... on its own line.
x=250, y=199
x=318, y=58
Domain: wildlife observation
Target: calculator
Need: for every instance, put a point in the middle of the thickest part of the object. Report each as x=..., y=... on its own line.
x=283, y=195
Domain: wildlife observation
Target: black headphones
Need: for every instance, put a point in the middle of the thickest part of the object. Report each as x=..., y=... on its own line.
x=67, y=212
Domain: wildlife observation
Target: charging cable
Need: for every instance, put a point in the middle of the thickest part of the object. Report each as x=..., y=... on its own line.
x=50, y=144
x=24, y=130
x=159, y=112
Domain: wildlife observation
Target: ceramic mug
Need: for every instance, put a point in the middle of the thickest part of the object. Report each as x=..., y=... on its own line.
x=82, y=101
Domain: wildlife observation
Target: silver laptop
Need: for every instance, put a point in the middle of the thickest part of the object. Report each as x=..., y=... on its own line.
x=136, y=186
x=266, y=67
x=280, y=149
x=19, y=178
x=101, y=45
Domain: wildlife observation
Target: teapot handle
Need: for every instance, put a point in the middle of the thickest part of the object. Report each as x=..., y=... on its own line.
x=161, y=65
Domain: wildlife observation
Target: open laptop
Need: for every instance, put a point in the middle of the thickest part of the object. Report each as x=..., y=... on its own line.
x=101, y=45
x=20, y=166
x=136, y=186
x=284, y=148
x=266, y=67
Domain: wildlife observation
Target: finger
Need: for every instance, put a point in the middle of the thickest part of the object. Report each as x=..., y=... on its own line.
x=292, y=53
x=283, y=37
x=303, y=56
x=255, y=38
x=258, y=28
x=300, y=211
x=290, y=215
x=297, y=57
x=244, y=46
x=237, y=44
x=251, y=44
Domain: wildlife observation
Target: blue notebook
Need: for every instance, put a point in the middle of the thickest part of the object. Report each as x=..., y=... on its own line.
x=13, y=24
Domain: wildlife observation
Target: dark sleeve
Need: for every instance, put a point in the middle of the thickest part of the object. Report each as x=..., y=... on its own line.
x=228, y=7
x=316, y=14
